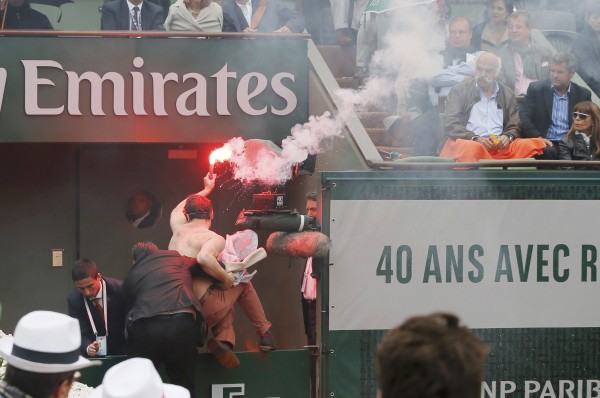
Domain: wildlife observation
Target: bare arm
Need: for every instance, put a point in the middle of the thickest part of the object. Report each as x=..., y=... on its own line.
x=177, y=215
x=207, y=258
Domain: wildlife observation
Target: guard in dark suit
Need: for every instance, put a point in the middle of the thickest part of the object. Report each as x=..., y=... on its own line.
x=163, y=323
x=94, y=300
x=273, y=17
x=117, y=15
x=546, y=111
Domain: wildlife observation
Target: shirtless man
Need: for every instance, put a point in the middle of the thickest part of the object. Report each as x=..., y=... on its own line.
x=190, y=222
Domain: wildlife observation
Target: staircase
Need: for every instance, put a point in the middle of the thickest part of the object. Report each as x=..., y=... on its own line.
x=341, y=62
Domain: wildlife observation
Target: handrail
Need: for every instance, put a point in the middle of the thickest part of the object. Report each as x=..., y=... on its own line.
x=505, y=164
x=147, y=33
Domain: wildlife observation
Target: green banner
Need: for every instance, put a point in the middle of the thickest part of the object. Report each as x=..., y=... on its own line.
x=100, y=89
x=379, y=6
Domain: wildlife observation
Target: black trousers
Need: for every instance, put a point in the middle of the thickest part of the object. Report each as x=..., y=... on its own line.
x=169, y=340
x=309, y=311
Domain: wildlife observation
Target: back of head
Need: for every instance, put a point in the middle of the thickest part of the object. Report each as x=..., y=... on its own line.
x=142, y=249
x=84, y=268
x=198, y=207
x=430, y=357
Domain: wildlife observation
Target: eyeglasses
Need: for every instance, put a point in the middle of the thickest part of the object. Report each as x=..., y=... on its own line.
x=581, y=116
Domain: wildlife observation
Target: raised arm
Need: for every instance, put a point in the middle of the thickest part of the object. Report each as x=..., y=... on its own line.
x=177, y=215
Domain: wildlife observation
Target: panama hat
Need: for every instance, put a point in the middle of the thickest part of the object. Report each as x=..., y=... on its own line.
x=45, y=342
x=136, y=378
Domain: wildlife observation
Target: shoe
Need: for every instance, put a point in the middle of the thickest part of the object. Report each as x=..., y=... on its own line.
x=251, y=259
x=223, y=353
x=266, y=343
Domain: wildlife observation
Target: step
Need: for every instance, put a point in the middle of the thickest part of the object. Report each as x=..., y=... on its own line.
x=341, y=60
x=347, y=82
x=372, y=119
x=377, y=135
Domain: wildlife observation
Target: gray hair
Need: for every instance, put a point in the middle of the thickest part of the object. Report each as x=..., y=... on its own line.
x=565, y=58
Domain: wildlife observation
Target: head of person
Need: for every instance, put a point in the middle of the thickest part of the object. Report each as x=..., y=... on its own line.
x=86, y=277
x=519, y=28
x=499, y=10
x=200, y=3
x=563, y=66
x=311, y=204
x=592, y=16
x=43, y=356
x=487, y=68
x=136, y=378
x=139, y=204
x=460, y=33
x=586, y=119
x=198, y=207
x=142, y=249
x=430, y=356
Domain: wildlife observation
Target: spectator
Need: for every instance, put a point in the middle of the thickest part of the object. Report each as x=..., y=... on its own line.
x=190, y=222
x=132, y=15
x=492, y=34
x=203, y=16
x=42, y=357
x=430, y=356
x=523, y=61
x=319, y=21
x=99, y=305
x=266, y=16
x=482, y=119
x=549, y=103
x=583, y=139
x=20, y=15
x=161, y=324
x=347, y=15
x=143, y=209
x=136, y=378
x=586, y=48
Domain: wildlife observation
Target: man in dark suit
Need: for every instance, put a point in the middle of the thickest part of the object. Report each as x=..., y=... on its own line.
x=132, y=15
x=265, y=16
x=164, y=317
x=546, y=111
x=99, y=305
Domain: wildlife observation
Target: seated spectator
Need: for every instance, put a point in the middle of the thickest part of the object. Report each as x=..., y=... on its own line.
x=132, y=15
x=492, y=34
x=586, y=48
x=482, y=119
x=136, y=378
x=20, y=15
x=583, y=139
x=430, y=356
x=459, y=59
x=266, y=16
x=195, y=15
x=42, y=357
x=546, y=111
x=523, y=61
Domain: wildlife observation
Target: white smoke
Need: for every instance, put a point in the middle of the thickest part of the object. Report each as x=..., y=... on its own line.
x=264, y=162
x=410, y=50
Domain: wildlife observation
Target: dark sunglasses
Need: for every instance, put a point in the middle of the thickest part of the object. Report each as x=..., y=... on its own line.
x=581, y=116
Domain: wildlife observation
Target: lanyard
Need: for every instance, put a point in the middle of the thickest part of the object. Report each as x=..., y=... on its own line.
x=87, y=308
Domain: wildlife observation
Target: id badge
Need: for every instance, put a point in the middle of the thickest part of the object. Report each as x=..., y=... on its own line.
x=102, y=342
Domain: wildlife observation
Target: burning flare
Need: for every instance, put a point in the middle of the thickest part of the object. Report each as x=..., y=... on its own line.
x=219, y=155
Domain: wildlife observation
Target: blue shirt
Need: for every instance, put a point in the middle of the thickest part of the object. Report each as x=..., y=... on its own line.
x=486, y=115
x=559, y=126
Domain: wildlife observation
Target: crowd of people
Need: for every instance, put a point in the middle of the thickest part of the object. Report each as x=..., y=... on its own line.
x=505, y=96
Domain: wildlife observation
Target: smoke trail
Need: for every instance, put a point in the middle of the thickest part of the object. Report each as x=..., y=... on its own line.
x=264, y=162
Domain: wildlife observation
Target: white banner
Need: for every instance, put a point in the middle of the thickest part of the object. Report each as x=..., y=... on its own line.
x=495, y=263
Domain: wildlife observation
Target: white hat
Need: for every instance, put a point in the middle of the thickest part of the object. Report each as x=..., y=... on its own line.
x=136, y=378
x=45, y=342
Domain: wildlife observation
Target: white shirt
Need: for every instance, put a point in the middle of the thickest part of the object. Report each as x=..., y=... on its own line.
x=132, y=13
x=486, y=115
x=246, y=10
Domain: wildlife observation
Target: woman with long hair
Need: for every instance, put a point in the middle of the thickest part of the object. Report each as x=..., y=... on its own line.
x=582, y=142
x=195, y=15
